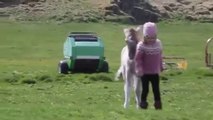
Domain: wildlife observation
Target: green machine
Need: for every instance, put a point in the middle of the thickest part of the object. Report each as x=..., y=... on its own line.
x=83, y=52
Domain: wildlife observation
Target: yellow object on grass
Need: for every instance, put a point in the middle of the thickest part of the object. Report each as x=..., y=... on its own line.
x=182, y=64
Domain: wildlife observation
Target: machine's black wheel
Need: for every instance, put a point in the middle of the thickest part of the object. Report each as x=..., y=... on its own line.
x=105, y=67
x=63, y=67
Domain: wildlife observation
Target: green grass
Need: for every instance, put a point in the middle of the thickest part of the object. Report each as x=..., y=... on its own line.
x=31, y=89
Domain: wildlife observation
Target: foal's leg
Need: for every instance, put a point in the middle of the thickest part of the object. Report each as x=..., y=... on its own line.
x=138, y=90
x=127, y=88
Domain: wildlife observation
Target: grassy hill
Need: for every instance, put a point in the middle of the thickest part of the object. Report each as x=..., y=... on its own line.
x=64, y=11
x=31, y=89
x=51, y=10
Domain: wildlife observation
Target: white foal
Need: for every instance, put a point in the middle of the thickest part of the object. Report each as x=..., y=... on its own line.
x=128, y=73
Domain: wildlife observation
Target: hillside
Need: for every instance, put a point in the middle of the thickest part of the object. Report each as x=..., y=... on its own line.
x=186, y=9
x=59, y=10
x=136, y=11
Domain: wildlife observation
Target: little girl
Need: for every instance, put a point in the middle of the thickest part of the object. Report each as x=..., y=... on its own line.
x=148, y=64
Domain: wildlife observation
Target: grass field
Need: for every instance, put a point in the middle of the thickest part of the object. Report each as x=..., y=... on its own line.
x=31, y=89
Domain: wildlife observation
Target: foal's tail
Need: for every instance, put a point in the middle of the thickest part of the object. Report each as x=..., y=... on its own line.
x=118, y=74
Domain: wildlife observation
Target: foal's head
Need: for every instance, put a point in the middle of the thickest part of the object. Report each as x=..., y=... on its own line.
x=131, y=41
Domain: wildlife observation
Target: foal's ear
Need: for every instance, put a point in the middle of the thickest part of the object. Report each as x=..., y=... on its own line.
x=126, y=33
x=139, y=32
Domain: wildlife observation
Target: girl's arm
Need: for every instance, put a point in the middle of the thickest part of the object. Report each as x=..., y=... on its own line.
x=161, y=56
x=138, y=59
x=161, y=62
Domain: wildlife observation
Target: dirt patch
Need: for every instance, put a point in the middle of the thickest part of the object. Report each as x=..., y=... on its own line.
x=155, y=10
x=199, y=10
x=100, y=3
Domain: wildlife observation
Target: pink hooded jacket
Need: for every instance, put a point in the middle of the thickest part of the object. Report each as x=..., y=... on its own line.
x=148, y=57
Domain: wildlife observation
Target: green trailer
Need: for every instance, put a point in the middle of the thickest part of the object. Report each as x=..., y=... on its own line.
x=83, y=52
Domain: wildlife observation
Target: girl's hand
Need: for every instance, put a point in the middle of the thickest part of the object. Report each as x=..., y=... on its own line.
x=139, y=73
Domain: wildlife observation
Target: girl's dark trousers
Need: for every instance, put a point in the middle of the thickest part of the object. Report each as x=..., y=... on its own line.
x=154, y=79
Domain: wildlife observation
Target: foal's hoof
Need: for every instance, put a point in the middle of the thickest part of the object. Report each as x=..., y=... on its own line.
x=138, y=107
x=125, y=106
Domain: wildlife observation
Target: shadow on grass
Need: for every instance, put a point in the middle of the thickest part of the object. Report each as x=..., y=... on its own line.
x=85, y=77
x=166, y=75
x=204, y=72
x=100, y=77
x=17, y=77
x=27, y=78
